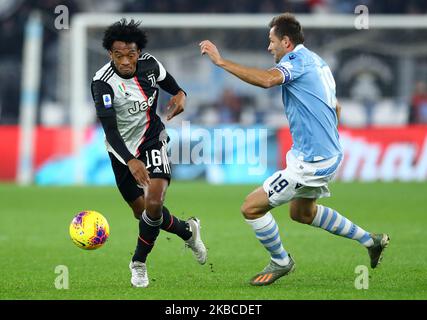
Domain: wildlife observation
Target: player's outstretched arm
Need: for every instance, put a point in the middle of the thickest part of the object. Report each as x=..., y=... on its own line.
x=258, y=77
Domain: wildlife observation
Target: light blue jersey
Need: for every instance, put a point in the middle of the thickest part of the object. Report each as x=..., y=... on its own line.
x=308, y=93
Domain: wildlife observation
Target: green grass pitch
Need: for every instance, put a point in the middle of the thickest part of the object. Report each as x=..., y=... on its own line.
x=34, y=240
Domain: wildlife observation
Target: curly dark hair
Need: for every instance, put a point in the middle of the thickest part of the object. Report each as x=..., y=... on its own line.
x=287, y=25
x=128, y=32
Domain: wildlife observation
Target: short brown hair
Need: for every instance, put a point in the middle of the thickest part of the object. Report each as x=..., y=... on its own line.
x=287, y=25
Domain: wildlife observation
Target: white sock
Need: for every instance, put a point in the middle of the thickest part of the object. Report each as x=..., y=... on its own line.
x=267, y=232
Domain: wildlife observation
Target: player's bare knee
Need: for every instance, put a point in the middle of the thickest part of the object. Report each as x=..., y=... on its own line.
x=298, y=215
x=249, y=212
x=294, y=214
x=244, y=209
x=301, y=214
x=154, y=208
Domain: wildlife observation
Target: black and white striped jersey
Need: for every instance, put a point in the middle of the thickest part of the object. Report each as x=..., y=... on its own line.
x=133, y=100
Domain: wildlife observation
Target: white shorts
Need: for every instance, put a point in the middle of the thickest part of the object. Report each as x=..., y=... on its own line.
x=301, y=180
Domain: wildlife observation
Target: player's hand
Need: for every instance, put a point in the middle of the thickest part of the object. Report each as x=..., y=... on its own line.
x=175, y=105
x=207, y=47
x=139, y=172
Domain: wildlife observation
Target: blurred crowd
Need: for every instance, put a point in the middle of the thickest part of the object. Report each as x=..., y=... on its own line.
x=14, y=13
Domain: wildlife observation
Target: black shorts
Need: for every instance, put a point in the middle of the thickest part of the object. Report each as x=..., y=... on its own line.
x=156, y=162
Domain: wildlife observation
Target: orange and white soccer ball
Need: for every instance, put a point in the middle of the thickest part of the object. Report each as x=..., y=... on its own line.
x=89, y=230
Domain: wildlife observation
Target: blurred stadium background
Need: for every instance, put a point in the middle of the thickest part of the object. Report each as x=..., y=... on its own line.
x=47, y=122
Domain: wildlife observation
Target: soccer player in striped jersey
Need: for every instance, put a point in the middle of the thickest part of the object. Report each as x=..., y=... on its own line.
x=308, y=93
x=125, y=92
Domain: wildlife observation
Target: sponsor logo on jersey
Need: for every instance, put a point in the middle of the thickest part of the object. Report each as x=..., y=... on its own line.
x=141, y=106
x=107, y=101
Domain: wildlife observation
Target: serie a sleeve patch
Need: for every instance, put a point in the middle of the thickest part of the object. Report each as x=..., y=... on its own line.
x=106, y=98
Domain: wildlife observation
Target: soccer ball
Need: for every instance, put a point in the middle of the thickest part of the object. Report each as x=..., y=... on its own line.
x=89, y=230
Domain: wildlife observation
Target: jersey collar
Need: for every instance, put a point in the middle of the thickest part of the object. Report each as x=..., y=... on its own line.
x=298, y=47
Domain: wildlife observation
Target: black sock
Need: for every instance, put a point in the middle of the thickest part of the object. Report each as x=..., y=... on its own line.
x=174, y=225
x=148, y=232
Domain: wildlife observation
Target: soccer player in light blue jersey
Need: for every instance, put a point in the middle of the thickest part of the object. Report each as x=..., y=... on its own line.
x=308, y=93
